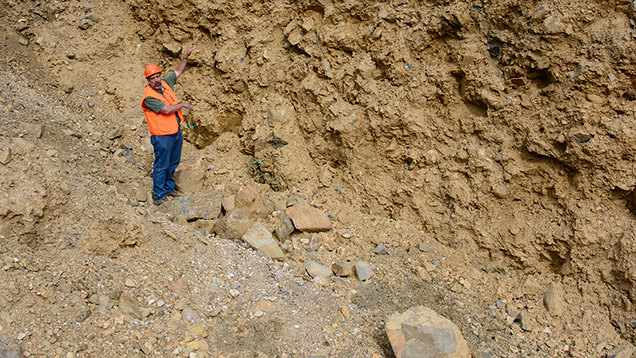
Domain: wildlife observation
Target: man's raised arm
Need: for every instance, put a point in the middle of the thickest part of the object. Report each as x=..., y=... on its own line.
x=182, y=63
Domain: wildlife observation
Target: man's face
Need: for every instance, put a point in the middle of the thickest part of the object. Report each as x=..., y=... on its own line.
x=155, y=81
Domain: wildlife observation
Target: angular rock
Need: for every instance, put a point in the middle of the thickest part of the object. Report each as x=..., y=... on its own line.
x=314, y=269
x=207, y=226
x=285, y=226
x=483, y=353
x=314, y=243
x=525, y=321
x=309, y=219
x=503, y=191
x=343, y=268
x=428, y=246
x=259, y=238
x=83, y=315
x=115, y=133
x=345, y=312
x=631, y=10
x=381, y=250
x=275, y=117
x=251, y=203
x=200, y=205
x=104, y=301
x=5, y=156
x=5, y=317
x=363, y=270
x=34, y=130
x=622, y=351
x=94, y=299
x=9, y=348
x=203, y=346
x=84, y=23
x=228, y=203
x=180, y=287
x=127, y=154
x=233, y=225
x=421, y=332
x=422, y=274
x=128, y=306
x=239, y=87
x=24, y=144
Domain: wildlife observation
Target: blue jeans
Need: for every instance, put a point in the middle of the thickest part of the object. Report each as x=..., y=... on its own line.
x=167, y=158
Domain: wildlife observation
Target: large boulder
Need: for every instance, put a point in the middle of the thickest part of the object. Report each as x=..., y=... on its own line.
x=251, y=203
x=190, y=175
x=201, y=205
x=233, y=225
x=421, y=332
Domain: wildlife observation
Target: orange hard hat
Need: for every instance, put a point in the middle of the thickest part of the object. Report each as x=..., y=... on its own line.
x=151, y=70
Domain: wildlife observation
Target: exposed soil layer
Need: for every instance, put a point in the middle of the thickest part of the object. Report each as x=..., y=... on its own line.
x=487, y=144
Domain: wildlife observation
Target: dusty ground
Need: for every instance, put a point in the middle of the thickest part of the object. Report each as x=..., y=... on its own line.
x=489, y=144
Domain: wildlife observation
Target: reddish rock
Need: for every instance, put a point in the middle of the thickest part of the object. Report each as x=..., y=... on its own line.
x=308, y=219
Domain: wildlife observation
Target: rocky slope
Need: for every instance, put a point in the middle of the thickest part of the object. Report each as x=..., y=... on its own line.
x=488, y=144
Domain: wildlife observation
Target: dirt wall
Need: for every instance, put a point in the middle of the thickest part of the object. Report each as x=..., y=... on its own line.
x=500, y=129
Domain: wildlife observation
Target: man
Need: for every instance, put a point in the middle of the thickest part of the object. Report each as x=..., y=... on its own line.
x=163, y=115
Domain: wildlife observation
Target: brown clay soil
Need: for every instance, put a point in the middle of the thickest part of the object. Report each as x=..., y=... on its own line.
x=488, y=145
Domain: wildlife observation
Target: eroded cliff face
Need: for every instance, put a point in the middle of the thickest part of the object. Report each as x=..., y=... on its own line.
x=502, y=130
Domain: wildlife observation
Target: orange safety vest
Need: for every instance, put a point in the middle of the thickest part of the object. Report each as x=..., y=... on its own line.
x=159, y=123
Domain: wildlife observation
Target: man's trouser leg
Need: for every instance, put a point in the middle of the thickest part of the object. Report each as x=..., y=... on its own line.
x=163, y=145
x=175, y=158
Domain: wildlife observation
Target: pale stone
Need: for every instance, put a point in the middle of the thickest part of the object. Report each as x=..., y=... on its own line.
x=259, y=238
x=315, y=269
x=421, y=332
x=422, y=274
x=23, y=143
x=179, y=287
x=190, y=175
x=343, y=268
x=5, y=156
x=363, y=270
x=115, y=133
x=188, y=315
x=553, y=299
x=128, y=306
